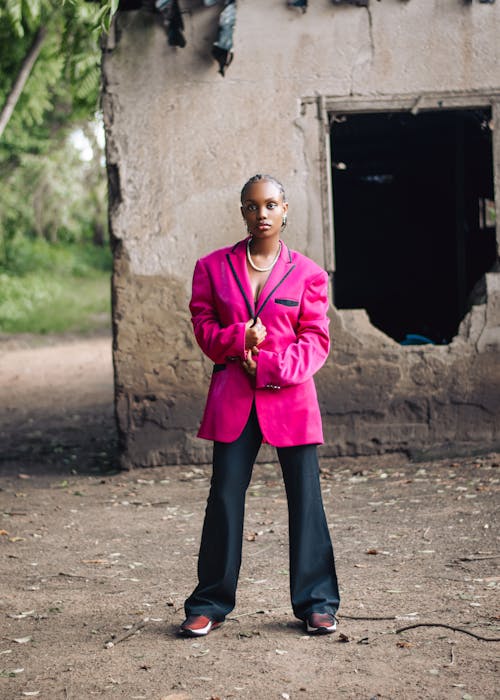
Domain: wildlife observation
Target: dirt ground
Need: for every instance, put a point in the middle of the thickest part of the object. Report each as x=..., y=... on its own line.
x=96, y=563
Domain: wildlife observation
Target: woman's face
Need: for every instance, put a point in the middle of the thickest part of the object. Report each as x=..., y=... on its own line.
x=263, y=209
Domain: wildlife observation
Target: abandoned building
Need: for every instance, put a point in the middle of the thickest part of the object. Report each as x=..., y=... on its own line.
x=382, y=119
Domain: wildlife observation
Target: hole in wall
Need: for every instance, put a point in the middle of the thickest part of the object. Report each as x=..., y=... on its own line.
x=414, y=217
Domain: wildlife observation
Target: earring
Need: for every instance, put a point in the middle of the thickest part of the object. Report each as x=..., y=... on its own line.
x=283, y=223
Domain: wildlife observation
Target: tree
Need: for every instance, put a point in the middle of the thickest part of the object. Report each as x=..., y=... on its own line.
x=22, y=77
x=65, y=37
x=49, y=85
x=58, y=196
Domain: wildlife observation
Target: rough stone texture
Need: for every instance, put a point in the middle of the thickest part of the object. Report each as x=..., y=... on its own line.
x=378, y=396
x=181, y=140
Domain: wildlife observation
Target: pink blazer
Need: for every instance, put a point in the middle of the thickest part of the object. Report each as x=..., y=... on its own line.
x=292, y=306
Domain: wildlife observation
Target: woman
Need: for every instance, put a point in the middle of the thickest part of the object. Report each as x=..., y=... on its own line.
x=259, y=313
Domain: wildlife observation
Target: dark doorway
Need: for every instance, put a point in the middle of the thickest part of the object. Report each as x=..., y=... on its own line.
x=414, y=217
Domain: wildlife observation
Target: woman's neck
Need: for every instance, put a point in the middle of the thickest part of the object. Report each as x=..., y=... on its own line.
x=265, y=247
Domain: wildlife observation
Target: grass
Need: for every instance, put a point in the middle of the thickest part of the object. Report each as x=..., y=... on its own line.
x=38, y=303
x=55, y=289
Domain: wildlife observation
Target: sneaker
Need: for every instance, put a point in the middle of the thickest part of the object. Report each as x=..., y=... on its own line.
x=321, y=623
x=198, y=626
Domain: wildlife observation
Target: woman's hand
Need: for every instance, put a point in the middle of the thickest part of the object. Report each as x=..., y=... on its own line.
x=249, y=365
x=255, y=333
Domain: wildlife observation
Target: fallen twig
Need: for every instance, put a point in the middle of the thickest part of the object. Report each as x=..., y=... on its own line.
x=64, y=574
x=257, y=612
x=356, y=617
x=449, y=627
x=135, y=628
x=254, y=612
x=471, y=557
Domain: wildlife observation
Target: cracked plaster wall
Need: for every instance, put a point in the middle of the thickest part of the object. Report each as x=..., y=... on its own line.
x=181, y=140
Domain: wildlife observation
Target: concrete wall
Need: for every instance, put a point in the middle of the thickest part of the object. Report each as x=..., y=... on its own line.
x=181, y=140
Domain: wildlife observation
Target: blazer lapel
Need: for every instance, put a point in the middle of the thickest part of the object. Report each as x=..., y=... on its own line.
x=283, y=268
x=237, y=262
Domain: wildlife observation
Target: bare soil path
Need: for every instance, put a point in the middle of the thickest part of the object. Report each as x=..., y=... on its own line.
x=57, y=403
x=95, y=564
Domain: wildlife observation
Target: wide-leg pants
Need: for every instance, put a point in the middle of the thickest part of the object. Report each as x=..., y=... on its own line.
x=313, y=579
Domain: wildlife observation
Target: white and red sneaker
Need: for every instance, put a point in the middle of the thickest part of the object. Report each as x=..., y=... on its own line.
x=198, y=626
x=321, y=623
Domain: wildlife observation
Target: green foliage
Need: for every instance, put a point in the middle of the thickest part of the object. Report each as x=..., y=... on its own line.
x=63, y=87
x=53, y=288
x=42, y=303
x=46, y=188
x=57, y=196
x=26, y=256
x=52, y=201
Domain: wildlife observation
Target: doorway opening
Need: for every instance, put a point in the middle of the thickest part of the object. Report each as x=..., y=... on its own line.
x=414, y=217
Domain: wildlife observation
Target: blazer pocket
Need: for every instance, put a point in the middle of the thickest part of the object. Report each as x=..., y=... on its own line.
x=287, y=302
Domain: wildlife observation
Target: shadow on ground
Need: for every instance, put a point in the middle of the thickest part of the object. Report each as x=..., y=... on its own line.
x=57, y=413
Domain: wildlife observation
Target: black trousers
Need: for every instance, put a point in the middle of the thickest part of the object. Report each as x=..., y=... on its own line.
x=313, y=580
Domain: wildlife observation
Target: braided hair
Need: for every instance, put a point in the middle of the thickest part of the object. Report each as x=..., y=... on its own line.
x=262, y=178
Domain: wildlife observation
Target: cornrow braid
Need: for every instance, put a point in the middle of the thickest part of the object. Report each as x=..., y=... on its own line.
x=262, y=178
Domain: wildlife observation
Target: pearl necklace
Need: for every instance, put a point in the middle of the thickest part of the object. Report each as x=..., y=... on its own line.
x=262, y=269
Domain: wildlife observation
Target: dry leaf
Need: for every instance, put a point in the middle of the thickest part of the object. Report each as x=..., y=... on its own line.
x=372, y=551
x=405, y=645
x=22, y=640
x=343, y=637
x=4, y=533
x=251, y=537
